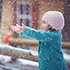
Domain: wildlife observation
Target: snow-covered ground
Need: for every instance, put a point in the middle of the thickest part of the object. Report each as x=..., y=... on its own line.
x=7, y=59
x=19, y=64
x=4, y=58
x=66, y=54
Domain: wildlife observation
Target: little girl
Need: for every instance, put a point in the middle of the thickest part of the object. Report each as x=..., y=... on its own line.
x=50, y=56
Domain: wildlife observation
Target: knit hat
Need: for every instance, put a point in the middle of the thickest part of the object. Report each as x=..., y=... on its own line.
x=55, y=19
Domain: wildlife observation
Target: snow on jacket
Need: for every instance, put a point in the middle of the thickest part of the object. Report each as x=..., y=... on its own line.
x=50, y=56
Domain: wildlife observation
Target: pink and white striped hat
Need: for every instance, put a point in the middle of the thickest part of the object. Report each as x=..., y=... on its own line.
x=55, y=19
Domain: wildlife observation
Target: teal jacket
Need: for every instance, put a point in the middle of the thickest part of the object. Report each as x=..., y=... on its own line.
x=50, y=56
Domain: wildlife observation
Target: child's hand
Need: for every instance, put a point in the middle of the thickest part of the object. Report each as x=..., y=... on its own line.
x=18, y=28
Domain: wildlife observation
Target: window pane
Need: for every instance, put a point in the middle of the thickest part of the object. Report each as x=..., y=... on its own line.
x=27, y=22
x=21, y=21
x=27, y=9
x=21, y=9
x=24, y=21
x=24, y=9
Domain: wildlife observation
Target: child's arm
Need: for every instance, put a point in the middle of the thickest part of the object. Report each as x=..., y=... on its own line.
x=32, y=33
x=36, y=34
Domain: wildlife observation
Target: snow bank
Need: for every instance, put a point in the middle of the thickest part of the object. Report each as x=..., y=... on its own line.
x=66, y=56
x=32, y=52
x=27, y=62
x=6, y=59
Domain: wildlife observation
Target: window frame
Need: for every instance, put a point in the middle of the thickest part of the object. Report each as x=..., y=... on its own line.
x=22, y=15
x=34, y=6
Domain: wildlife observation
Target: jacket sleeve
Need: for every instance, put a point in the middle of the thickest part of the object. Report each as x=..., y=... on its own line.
x=36, y=34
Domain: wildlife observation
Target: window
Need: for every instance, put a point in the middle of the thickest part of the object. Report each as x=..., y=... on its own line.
x=24, y=14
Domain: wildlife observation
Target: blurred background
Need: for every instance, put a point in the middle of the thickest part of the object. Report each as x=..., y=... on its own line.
x=30, y=13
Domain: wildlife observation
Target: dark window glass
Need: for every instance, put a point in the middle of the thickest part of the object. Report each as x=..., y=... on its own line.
x=27, y=22
x=21, y=9
x=21, y=21
x=27, y=9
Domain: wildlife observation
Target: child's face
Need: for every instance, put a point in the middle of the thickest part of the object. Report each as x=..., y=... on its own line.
x=45, y=26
